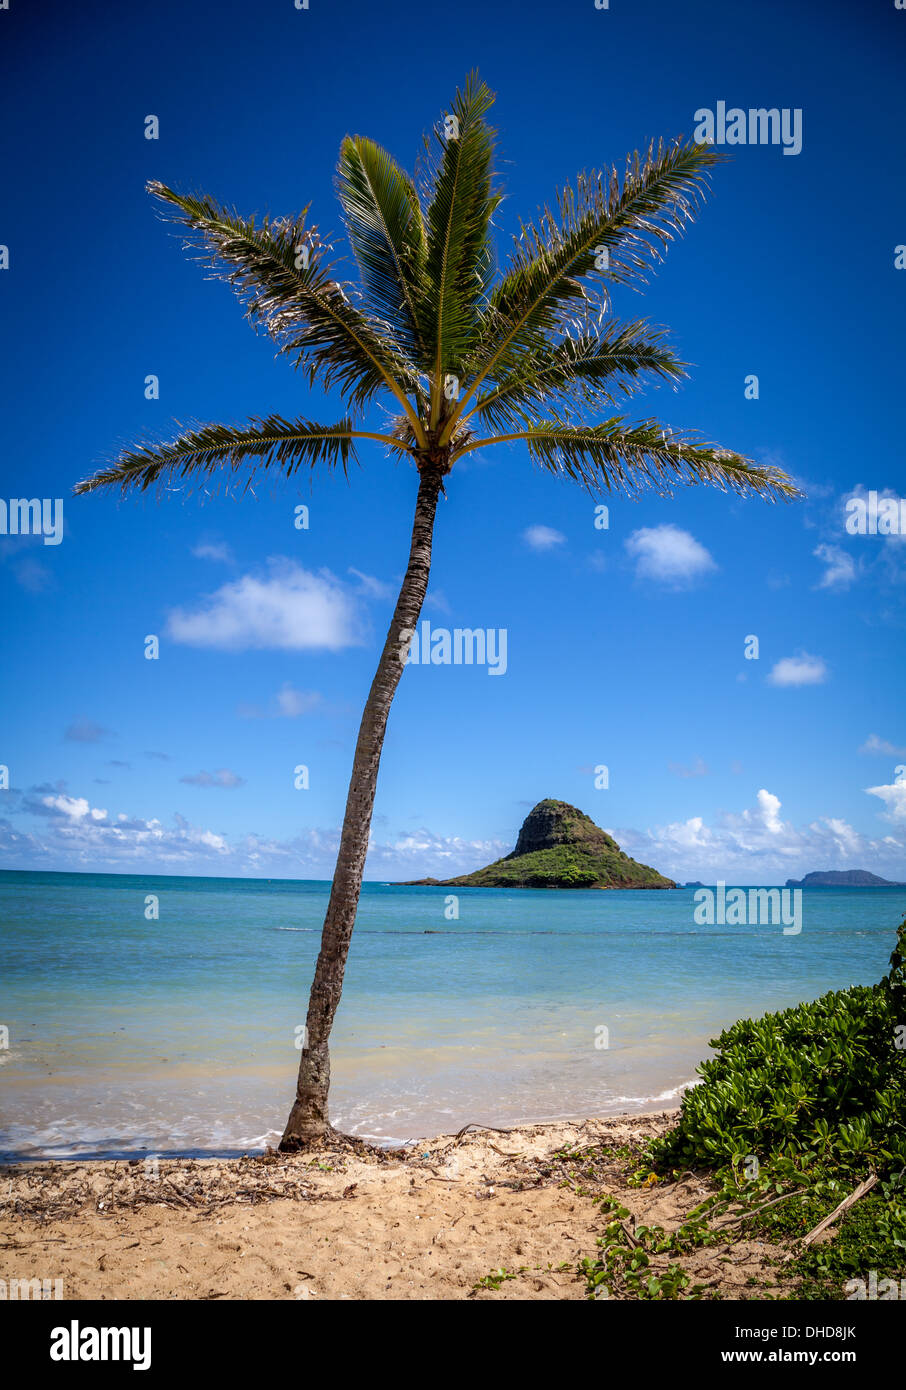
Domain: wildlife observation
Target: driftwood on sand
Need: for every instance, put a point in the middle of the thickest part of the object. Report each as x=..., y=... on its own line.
x=838, y=1211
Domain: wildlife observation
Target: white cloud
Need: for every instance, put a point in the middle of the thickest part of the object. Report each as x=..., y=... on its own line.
x=79, y=836
x=799, y=670
x=543, y=537
x=287, y=609
x=753, y=846
x=768, y=813
x=213, y=550
x=873, y=744
x=373, y=588
x=292, y=703
x=840, y=570
x=212, y=841
x=668, y=554
x=288, y=703
x=436, y=598
x=223, y=777
x=32, y=575
x=757, y=846
x=74, y=808
x=894, y=798
x=424, y=854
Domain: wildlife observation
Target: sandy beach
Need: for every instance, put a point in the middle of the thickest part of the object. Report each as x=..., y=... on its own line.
x=429, y=1222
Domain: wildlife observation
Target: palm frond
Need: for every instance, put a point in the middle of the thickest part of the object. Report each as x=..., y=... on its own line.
x=206, y=450
x=593, y=369
x=304, y=309
x=631, y=219
x=537, y=352
x=458, y=266
x=619, y=457
x=383, y=219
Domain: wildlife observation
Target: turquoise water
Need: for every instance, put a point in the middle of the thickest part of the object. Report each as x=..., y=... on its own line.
x=178, y=1034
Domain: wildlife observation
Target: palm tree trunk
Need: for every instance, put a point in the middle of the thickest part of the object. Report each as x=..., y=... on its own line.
x=308, y=1120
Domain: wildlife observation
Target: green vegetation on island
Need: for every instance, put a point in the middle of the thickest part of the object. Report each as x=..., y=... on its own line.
x=559, y=846
x=842, y=878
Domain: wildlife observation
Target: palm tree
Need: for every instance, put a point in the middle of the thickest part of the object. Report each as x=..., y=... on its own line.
x=470, y=356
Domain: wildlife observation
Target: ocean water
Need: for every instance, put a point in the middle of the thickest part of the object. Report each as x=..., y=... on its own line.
x=136, y=1036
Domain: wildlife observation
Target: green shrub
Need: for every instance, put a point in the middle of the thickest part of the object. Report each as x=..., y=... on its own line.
x=822, y=1082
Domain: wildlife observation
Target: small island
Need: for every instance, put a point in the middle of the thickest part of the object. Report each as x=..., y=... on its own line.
x=559, y=846
x=842, y=878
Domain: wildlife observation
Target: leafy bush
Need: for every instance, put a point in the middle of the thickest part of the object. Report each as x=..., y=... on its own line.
x=871, y=1237
x=822, y=1082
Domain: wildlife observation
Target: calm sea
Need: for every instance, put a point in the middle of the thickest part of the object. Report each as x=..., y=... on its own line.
x=132, y=1034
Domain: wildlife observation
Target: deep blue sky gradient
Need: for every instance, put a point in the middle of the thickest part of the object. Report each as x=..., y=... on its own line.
x=788, y=273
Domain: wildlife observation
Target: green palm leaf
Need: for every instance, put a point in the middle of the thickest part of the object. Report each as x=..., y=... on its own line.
x=458, y=264
x=631, y=220
x=536, y=352
x=307, y=312
x=619, y=457
x=209, y=449
x=384, y=224
x=592, y=369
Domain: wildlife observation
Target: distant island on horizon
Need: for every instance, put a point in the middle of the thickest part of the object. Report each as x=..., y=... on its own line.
x=568, y=878
x=842, y=878
x=559, y=846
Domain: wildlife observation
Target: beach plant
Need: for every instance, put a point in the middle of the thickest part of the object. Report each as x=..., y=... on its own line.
x=623, y=1267
x=822, y=1082
x=818, y=1095
x=496, y=1278
x=469, y=354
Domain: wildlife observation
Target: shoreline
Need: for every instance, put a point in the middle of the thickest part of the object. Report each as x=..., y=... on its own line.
x=431, y=1221
x=259, y=1146
x=229, y=1150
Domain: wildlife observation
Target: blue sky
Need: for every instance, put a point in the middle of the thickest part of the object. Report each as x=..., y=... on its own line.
x=625, y=647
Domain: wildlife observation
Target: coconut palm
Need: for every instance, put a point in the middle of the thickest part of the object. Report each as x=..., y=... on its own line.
x=469, y=356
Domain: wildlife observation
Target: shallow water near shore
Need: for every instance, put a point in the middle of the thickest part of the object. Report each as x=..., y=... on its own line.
x=177, y=1035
